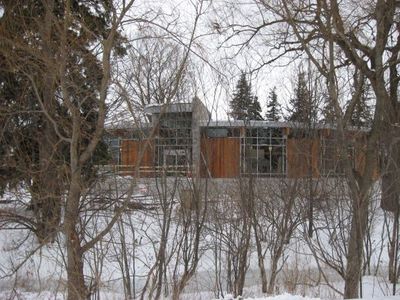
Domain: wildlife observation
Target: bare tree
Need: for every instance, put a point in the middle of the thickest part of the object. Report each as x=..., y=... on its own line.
x=277, y=214
x=52, y=77
x=77, y=124
x=230, y=223
x=149, y=74
x=320, y=30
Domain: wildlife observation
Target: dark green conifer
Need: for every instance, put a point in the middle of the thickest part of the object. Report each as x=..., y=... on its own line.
x=244, y=105
x=274, y=110
x=302, y=107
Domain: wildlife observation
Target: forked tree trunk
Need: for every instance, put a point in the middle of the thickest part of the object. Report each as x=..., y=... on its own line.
x=274, y=270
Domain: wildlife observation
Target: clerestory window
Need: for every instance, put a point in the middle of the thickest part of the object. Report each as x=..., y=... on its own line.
x=174, y=141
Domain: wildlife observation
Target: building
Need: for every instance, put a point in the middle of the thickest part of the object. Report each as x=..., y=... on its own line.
x=182, y=140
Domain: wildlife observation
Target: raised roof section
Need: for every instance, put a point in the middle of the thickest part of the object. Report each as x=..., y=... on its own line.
x=168, y=108
x=175, y=107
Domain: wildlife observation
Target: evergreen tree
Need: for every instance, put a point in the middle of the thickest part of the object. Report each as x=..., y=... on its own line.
x=302, y=108
x=329, y=113
x=362, y=115
x=274, y=110
x=36, y=41
x=254, y=110
x=245, y=106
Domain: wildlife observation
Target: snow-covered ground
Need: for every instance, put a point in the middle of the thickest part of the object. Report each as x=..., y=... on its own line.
x=29, y=272
x=46, y=295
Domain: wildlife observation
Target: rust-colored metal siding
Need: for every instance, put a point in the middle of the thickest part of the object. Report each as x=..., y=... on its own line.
x=220, y=157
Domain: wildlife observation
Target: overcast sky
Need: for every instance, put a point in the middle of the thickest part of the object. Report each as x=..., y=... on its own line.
x=218, y=61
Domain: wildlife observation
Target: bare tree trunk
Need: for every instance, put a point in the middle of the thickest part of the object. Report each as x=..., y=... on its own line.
x=246, y=205
x=154, y=282
x=355, y=247
x=260, y=257
x=393, y=250
x=242, y=263
x=162, y=251
x=274, y=270
x=218, y=263
x=193, y=222
x=46, y=198
x=125, y=268
x=76, y=282
x=229, y=284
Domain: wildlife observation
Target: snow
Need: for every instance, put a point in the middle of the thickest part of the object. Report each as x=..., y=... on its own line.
x=43, y=275
x=285, y=296
x=115, y=296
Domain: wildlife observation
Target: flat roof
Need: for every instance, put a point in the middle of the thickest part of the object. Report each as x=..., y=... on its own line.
x=242, y=123
x=272, y=124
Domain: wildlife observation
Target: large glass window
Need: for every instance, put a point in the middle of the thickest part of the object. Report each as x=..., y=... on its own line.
x=263, y=152
x=174, y=141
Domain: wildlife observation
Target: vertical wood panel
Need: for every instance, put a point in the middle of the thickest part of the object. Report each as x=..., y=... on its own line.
x=222, y=157
x=301, y=154
x=359, y=161
x=130, y=150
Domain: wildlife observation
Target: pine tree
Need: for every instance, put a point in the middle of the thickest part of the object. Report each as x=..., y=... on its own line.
x=245, y=106
x=254, y=110
x=329, y=113
x=302, y=106
x=274, y=110
x=362, y=115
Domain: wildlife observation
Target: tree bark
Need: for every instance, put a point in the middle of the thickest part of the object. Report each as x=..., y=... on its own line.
x=355, y=247
x=393, y=244
x=76, y=282
x=260, y=257
x=76, y=287
x=242, y=262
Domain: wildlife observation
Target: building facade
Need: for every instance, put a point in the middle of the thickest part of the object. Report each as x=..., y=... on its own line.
x=182, y=140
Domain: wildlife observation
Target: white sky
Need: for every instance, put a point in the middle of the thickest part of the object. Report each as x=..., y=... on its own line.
x=218, y=75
